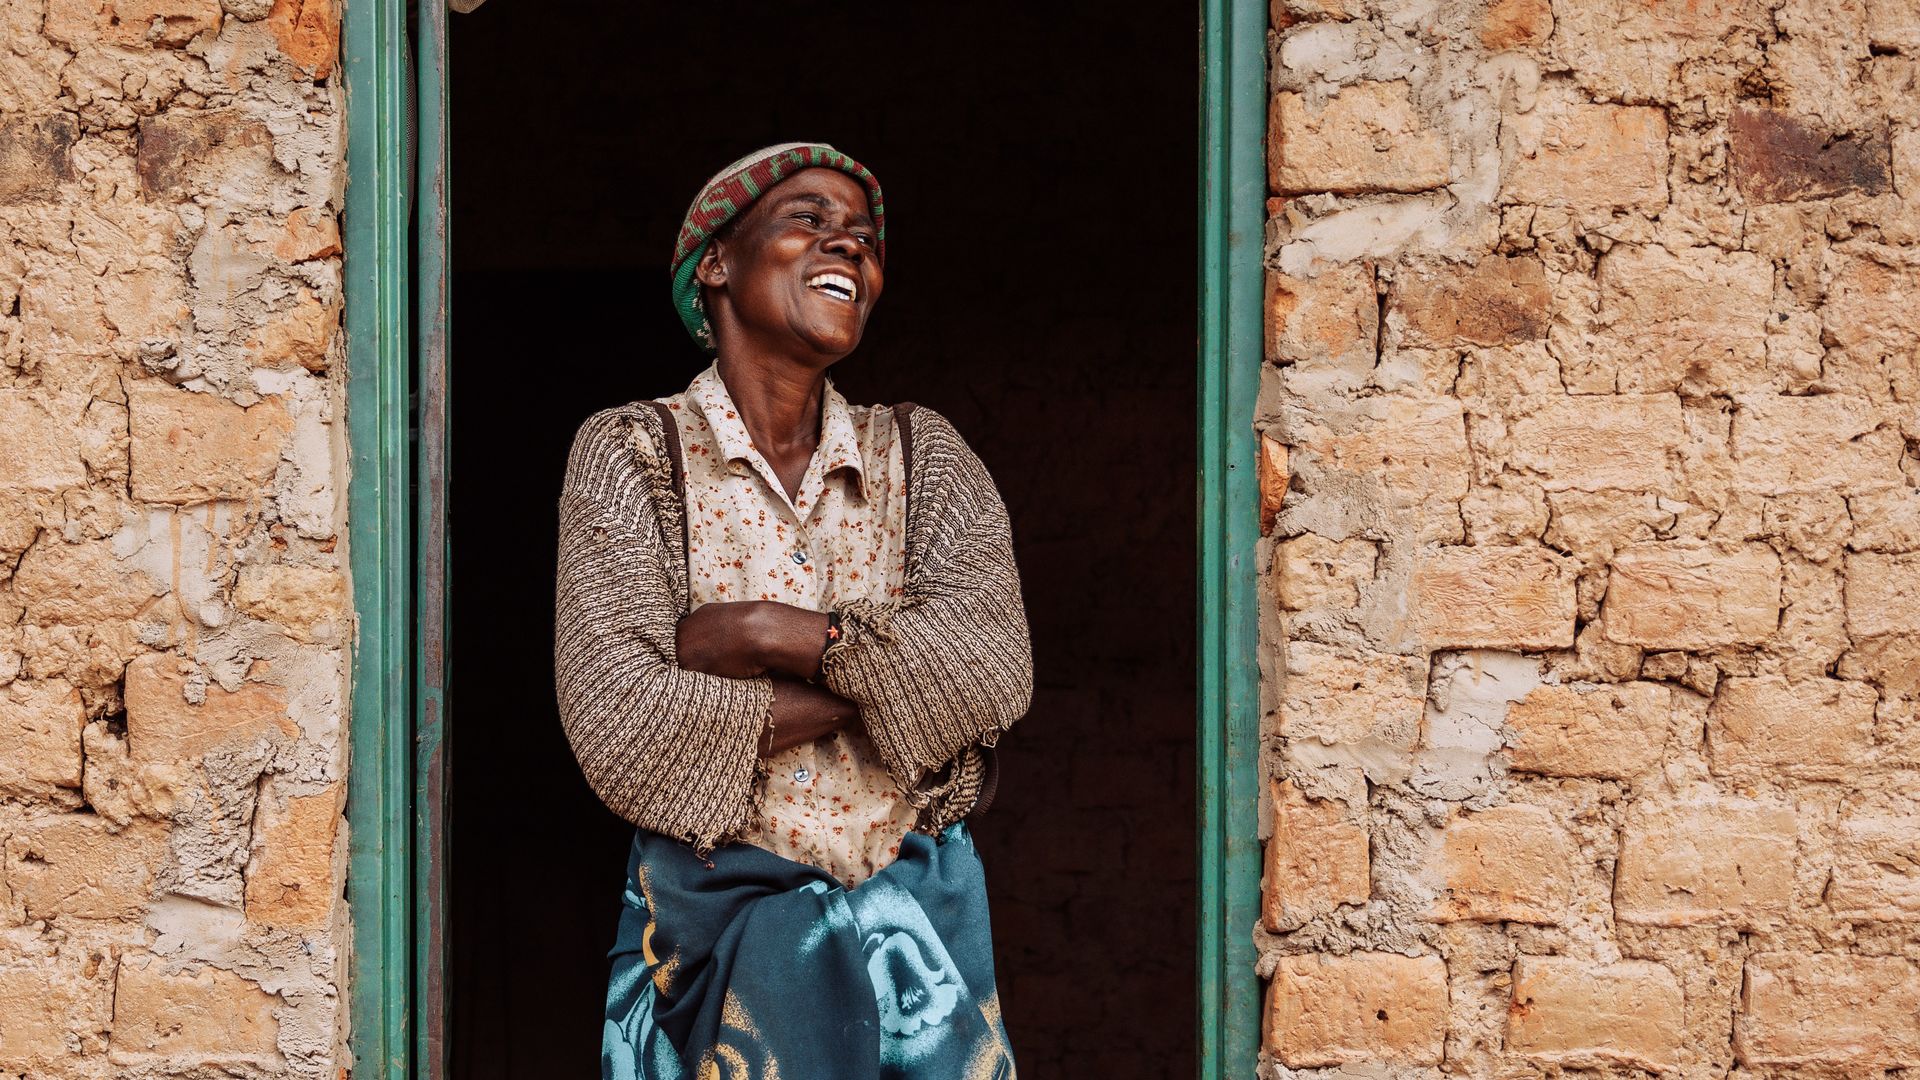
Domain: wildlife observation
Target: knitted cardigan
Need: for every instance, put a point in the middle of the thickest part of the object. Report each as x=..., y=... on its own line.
x=937, y=674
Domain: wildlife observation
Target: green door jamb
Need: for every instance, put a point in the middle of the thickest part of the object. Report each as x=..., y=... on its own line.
x=1233, y=103
x=433, y=391
x=379, y=324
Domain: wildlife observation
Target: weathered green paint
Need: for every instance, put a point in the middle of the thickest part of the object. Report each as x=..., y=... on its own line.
x=1232, y=223
x=431, y=588
x=378, y=325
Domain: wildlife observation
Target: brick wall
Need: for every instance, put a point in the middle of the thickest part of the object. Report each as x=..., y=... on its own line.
x=1593, y=633
x=172, y=605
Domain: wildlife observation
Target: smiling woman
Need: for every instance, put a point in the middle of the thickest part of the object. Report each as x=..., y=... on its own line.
x=788, y=633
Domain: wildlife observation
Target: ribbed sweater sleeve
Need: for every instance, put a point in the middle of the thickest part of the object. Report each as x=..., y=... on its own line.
x=667, y=749
x=949, y=666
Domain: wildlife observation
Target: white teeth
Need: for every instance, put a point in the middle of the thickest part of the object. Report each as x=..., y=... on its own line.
x=838, y=284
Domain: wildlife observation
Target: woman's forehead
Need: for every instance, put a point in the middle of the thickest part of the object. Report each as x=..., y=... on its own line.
x=822, y=186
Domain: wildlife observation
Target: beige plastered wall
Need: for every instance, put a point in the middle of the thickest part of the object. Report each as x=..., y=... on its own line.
x=173, y=609
x=1592, y=553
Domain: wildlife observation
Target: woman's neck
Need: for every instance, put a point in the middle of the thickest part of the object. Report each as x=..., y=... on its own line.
x=779, y=403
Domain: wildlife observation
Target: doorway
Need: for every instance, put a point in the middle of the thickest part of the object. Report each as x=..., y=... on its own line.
x=1040, y=294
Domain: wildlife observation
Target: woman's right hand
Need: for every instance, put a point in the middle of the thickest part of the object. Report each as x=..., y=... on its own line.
x=803, y=712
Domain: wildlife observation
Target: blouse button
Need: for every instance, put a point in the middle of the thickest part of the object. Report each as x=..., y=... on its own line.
x=800, y=558
x=803, y=774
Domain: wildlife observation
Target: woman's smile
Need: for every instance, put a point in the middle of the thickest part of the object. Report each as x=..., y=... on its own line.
x=838, y=286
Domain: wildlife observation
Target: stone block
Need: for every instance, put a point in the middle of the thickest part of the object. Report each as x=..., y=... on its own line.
x=165, y=728
x=1885, y=521
x=1692, y=597
x=211, y=1016
x=1368, y=137
x=1496, y=301
x=1504, y=864
x=1274, y=478
x=185, y=152
x=112, y=787
x=1894, y=26
x=1636, y=50
x=1694, y=319
x=1313, y=573
x=35, y=156
x=312, y=232
x=1330, y=320
x=1614, y=731
x=1284, y=13
x=1579, y=1014
x=39, y=442
x=1778, y=157
x=1516, y=24
x=1415, y=449
x=1361, y=1008
x=1876, y=866
x=309, y=603
x=191, y=448
x=1492, y=598
x=1867, y=316
x=145, y=304
x=1341, y=698
x=40, y=725
x=1316, y=859
x=1814, y=727
x=1832, y=1009
x=80, y=585
x=290, y=875
x=1565, y=152
x=1593, y=525
x=307, y=33
x=1628, y=442
x=1883, y=594
x=75, y=866
x=301, y=335
x=1714, y=860
x=130, y=23
x=1831, y=443
x=55, y=1010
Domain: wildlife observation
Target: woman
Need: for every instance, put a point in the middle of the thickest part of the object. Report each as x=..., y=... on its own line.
x=788, y=633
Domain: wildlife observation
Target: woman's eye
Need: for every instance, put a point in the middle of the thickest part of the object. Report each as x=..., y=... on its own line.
x=811, y=219
x=864, y=238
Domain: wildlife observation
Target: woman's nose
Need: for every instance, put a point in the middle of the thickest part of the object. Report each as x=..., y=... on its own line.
x=843, y=242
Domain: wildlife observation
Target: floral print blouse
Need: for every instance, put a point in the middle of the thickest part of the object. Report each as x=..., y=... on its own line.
x=829, y=803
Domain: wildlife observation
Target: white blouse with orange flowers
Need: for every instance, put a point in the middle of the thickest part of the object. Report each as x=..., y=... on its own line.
x=842, y=536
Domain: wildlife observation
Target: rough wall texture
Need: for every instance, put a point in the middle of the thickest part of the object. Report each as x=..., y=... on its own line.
x=1593, y=640
x=172, y=605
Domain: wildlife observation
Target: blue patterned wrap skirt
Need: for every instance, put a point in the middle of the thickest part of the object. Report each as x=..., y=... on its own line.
x=751, y=966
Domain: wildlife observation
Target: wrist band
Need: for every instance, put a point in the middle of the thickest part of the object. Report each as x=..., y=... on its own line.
x=833, y=630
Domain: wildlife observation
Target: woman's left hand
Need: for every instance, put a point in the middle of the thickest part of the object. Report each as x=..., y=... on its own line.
x=745, y=638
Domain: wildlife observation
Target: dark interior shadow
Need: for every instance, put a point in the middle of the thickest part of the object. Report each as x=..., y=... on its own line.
x=1038, y=162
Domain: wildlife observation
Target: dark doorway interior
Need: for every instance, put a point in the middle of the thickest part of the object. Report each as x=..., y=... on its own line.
x=1038, y=165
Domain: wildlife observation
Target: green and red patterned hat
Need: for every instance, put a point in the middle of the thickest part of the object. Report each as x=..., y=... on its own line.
x=728, y=195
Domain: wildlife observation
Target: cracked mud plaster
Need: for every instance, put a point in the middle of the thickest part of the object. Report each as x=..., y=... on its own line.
x=1590, y=453
x=172, y=570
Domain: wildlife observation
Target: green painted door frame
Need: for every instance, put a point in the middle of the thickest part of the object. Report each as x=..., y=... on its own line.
x=396, y=231
x=379, y=312
x=1233, y=124
x=396, y=240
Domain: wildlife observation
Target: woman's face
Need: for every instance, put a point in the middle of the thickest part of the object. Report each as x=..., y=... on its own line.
x=797, y=274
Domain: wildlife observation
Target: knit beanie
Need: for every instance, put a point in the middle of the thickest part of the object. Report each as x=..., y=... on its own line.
x=728, y=195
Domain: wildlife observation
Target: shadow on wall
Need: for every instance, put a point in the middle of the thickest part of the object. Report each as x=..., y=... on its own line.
x=1038, y=171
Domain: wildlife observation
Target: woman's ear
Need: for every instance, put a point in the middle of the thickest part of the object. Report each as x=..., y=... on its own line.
x=711, y=270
